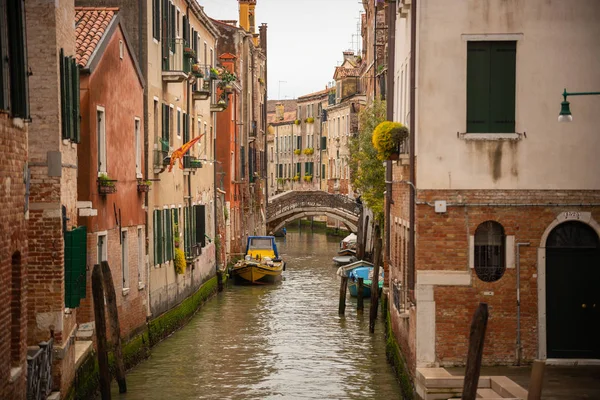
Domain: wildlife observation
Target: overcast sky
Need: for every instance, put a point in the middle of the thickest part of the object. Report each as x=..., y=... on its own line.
x=306, y=39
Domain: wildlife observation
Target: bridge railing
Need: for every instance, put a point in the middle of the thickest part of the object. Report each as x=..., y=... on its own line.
x=312, y=199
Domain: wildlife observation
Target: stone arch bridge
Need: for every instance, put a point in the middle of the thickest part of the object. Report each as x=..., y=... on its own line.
x=292, y=205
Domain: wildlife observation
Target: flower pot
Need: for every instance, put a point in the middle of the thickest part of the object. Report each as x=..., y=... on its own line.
x=143, y=188
x=106, y=189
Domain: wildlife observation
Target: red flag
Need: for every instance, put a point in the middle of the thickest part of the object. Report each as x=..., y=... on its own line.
x=180, y=152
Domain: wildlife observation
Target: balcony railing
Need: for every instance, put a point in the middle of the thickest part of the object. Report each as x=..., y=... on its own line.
x=175, y=64
x=39, y=371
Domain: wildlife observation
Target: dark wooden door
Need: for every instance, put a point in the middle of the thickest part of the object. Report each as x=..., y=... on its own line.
x=573, y=292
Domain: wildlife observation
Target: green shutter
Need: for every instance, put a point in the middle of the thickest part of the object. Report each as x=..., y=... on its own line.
x=63, y=96
x=172, y=22
x=76, y=134
x=502, y=81
x=156, y=19
x=160, y=237
x=478, y=87
x=155, y=235
x=75, y=266
x=193, y=232
x=68, y=122
x=322, y=171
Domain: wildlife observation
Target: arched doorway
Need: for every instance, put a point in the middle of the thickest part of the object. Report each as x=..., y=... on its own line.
x=573, y=291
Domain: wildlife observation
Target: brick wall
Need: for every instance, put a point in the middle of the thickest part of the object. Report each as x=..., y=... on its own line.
x=49, y=29
x=13, y=258
x=442, y=243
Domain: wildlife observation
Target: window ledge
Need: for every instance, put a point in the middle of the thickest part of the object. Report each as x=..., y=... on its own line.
x=15, y=373
x=125, y=291
x=491, y=136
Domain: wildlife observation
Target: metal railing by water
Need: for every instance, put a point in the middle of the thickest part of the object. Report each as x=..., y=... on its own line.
x=39, y=370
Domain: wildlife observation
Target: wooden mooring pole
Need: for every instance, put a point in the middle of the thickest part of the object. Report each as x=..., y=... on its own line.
x=360, y=306
x=375, y=280
x=100, y=322
x=343, y=286
x=476, y=341
x=220, y=280
x=536, y=382
x=115, y=326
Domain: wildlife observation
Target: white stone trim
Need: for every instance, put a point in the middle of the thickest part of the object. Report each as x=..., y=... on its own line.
x=444, y=278
x=491, y=136
x=582, y=216
x=471, y=251
x=509, y=254
x=485, y=37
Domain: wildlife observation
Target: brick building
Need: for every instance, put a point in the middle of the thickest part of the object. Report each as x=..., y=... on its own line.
x=111, y=147
x=14, y=122
x=506, y=205
x=53, y=137
x=241, y=135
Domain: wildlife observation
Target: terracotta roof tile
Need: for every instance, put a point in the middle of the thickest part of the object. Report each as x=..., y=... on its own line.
x=90, y=25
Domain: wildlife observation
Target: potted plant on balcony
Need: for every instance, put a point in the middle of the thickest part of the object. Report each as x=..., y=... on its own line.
x=309, y=151
x=387, y=137
x=197, y=71
x=106, y=185
x=261, y=81
x=195, y=163
x=143, y=186
x=309, y=120
x=296, y=178
x=227, y=78
x=297, y=152
x=297, y=122
x=214, y=74
x=189, y=52
x=308, y=178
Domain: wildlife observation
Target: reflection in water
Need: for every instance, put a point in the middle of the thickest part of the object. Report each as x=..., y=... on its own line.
x=274, y=341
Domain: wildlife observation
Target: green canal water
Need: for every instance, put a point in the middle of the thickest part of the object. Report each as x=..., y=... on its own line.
x=278, y=341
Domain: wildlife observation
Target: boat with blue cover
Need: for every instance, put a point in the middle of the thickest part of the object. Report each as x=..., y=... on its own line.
x=360, y=269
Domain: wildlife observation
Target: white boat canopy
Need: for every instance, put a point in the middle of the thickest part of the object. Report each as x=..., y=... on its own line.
x=351, y=238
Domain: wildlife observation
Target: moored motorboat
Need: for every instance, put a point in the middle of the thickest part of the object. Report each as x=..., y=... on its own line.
x=343, y=260
x=360, y=269
x=261, y=263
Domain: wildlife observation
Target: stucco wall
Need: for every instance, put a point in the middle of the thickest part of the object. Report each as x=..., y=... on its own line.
x=557, y=47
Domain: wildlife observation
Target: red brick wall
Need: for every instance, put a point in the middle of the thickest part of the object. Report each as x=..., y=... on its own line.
x=13, y=243
x=442, y=243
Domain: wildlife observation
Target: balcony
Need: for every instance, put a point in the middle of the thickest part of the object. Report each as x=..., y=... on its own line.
x=175, y=64
x=204, y=92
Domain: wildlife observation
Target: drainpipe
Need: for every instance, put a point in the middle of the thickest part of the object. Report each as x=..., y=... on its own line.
x=412, y=123
x=390, y=116
x=519, y=347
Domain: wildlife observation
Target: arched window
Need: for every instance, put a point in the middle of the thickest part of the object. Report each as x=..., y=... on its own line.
x=489, y=251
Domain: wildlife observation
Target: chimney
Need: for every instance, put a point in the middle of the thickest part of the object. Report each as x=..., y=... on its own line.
x=279, y=112
x=247, y=21
x=349, y=55
x=263, y=37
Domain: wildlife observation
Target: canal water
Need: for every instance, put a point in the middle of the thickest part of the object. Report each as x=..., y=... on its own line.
x=278, y=341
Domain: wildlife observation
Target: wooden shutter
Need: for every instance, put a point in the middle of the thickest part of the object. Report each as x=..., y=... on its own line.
x=75, y=266
x=478, y=87
x=155, y=236
x=156, y=19
x=160, y=236
x=165, y=34
x=63, y=94
x=172, y=22
x=185, y=30
x=322, y=171
x=243, y=162
x=201, y=225
x=186, y=235
x=19, y=77
x=193, y=241
x=323, y=143
x=168, y=234
x=76, y=133
x=502, y=86
x=4, y=70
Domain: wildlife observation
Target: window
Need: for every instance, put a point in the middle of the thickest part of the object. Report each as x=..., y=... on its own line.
x=140, y=258
x=178, y=122
x=156, y=19
x=489, y=251
x=165, y=128
x=168, y=234
x=491, y=79
x=14, y=80
x=101, y=135
x=69, y=98
x=125, y=259
x=138, y=148
x=200, y=215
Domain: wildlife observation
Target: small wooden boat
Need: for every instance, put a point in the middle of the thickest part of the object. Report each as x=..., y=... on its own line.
x=349, y=242
x=343, y=260
x=360, y=269
x=261, y=264
x=347, y=252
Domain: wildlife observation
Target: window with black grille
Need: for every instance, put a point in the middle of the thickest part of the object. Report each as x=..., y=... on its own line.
x=489, y=251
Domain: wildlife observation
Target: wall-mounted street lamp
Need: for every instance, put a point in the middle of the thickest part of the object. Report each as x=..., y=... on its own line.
x=565, y=106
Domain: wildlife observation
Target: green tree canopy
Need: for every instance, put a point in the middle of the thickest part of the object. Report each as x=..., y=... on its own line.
x=367, y=172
